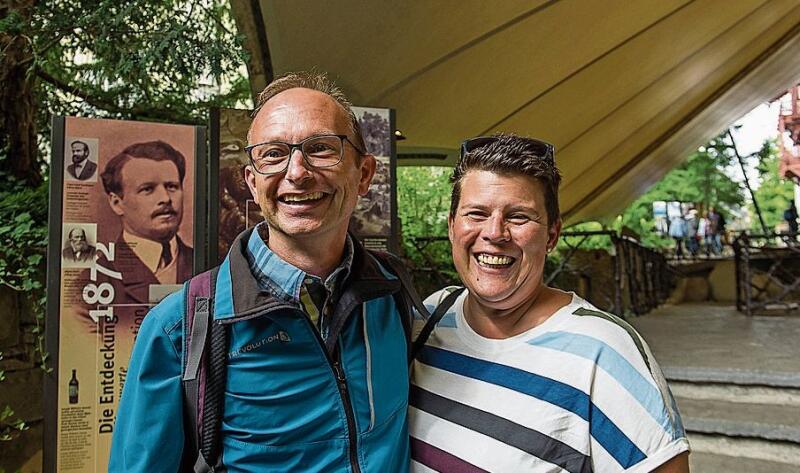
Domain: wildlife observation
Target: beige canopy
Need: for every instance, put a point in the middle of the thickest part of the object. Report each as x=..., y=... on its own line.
x=624, y=89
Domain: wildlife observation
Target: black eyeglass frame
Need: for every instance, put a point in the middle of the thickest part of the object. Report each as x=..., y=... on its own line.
x=471, y=144
x=293, y=146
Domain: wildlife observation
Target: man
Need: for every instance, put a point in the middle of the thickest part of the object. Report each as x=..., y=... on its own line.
x=78, y=248
x=144, y=184
x=714, y=231
x=790, y=216
x=317, y=375
x=82, y=168
x=518, y=376
x=678, y=231
x=692, y=227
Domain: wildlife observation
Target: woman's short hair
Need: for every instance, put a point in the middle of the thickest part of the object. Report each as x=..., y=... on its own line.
x=512, y=155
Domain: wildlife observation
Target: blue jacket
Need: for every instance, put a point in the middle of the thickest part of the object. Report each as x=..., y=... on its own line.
x=284, y=410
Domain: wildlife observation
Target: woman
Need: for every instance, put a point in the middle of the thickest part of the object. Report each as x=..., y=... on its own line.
x=518, y=376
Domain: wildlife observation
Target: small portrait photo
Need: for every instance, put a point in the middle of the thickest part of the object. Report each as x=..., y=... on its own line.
x=78, y=246
x=80, y=160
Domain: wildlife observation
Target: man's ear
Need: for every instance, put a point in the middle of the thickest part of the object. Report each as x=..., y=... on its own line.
x=115, y=202
x=250, y=178
x=367, y=170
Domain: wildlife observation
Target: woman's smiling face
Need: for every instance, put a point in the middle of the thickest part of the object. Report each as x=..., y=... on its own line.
x=500, y=237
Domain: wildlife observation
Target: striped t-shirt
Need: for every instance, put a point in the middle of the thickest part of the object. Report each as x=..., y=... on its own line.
x=579, y=393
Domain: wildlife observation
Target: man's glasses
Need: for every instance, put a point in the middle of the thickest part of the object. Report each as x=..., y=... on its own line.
x=320, y=151
x=542, y=149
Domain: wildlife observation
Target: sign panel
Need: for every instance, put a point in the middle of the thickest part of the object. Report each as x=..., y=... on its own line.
x=374, y=221
x=375, y=217
x=122, y=236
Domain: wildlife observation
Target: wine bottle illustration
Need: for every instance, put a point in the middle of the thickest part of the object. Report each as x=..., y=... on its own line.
x=73, y=389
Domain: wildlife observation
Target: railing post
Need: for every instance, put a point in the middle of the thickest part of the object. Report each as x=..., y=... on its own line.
x=747, y=276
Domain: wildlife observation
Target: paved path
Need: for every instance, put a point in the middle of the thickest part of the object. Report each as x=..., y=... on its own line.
x=717, y=337
x=736, y=381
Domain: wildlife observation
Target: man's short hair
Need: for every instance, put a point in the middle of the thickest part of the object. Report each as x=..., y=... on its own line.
x=512, y=155
x=315, y=81
x=79, y=142
x=153, y=150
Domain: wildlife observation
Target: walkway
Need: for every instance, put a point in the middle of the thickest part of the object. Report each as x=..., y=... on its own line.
x=737, y=383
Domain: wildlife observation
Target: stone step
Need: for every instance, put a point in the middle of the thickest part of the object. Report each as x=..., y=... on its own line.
x=740, y=427
x=733, y=376
x=723, y=454
x=741, y=419
x=702, y=462
x=736, y=393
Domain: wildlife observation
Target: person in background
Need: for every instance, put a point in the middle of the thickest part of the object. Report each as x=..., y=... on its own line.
x=790, y=215
x=678, y=232
x=518, y=376
x=692, y=224
x=714, y=229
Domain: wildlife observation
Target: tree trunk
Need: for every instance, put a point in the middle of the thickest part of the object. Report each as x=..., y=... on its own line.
x=18, y=147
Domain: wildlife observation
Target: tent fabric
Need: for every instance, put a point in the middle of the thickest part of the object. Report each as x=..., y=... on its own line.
x=625, y=90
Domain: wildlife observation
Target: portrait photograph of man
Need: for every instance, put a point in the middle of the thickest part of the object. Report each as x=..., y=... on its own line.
x=78, y=250
x=144, y=185
x=81, y=157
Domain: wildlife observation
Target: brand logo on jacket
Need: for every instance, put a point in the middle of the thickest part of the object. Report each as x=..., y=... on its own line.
x=280, y=336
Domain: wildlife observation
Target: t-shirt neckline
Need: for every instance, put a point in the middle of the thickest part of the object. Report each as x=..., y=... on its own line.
x=493, y=345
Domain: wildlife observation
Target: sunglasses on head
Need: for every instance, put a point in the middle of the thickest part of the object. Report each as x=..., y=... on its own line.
x=542, y=149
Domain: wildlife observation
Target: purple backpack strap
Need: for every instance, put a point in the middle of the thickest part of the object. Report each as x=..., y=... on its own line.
x=196, y=323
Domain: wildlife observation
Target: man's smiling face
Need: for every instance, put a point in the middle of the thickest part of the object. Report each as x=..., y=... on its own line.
x=305, y=201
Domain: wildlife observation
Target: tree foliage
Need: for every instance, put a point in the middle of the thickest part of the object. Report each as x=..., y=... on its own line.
x=163, y=60
x=701, y=179
x=774, y=194
x=423, y=197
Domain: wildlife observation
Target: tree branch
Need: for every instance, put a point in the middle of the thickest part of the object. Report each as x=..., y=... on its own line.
x=101, y=103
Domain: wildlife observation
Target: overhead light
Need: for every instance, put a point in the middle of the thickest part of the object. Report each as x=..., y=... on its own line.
x=398, y=135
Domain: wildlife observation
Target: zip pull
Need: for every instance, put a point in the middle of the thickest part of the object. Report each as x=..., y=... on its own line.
x=339, y=373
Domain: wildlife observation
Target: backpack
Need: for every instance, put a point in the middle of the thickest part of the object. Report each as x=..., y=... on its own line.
x=205, y=346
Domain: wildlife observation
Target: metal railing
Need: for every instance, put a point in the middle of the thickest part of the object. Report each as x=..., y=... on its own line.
x=767, y=272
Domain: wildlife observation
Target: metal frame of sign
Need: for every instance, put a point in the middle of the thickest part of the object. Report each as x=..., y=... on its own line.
x=52, y=388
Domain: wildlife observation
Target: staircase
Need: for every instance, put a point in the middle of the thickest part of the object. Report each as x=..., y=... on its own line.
x=736, y=380
x=738, y=420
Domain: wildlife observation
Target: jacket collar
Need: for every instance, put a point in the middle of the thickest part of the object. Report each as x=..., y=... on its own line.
x=239, y=294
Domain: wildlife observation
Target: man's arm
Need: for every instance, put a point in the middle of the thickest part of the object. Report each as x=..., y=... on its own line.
x=148, y=435
x=678, y=464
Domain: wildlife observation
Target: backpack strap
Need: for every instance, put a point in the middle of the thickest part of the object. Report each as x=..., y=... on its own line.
x=407, y=300
x=434, y=319
x=398, y=269
x=197, y=324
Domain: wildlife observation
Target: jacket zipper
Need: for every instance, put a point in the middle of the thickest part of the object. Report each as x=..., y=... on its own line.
x=341, y=385
x=341, y=382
